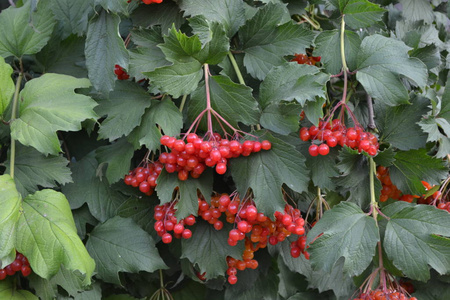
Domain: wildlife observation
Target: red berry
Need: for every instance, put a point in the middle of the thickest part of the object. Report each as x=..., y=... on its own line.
x=313, y=150
x=232, y=279
x=266, y=145
x=186, y=234
x=2, y=274
x=16, y=265
x=218, y=225
x=221, y=168
x=26, y=270
x=324, y=149
x=295, y=252
x=167, y=238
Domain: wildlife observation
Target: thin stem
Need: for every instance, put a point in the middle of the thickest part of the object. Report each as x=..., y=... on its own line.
x=236, y=68
x=318, y=205
x=13, y=117
x=380, y=263
x=183, y=102
x=208, y=99
x=344, y=63
x=161, y=278
x=373, y=200
x=311, y=22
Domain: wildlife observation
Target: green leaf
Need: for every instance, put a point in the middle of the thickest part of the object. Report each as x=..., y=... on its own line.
x=398, y=125
x=188, y=203
x=104, y=49
x=124, y=110
x=281, y=118
x=97, y=193
x=147, y=56
x=119, y=245
x=355, y=177
x=416, y=10
x=208, y=249
x=323, y=168
x=9, y=214
x=429, y=55
x=292, y=81
x=166, y=115
x=164, y=14
x=93, y=294
x=71, y=282
x=82, y=216
x=8, y=291
x=118, y=156
x=432, y=126
x=47, y=236
x=413, y=166
x=336, y=280
x=266, y=171
x=445, y=102
x=234, y=102
x=230, y=13
x=6, y=86
x=361, y=13
x=381, y=61
x=177, y=79
x=213, y=37
x=49, y=104
x=64, y=57
x=23, y=31
x=43, y=288
x=265, y=41
x=74, y=18
x=178, y=47
x=34, y=170
x=347, y=232
x=416, y=239
x=117, y=6
x=328, y=48
x=141, y=210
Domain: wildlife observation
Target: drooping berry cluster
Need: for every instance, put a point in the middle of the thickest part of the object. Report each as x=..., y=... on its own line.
x=166, y=222
x=390, y=190
x=194, y=156
x=384, y=295
x=335, y=133
x=121, y=73
x=19, y=264
x=304, y=59
x=144, y=177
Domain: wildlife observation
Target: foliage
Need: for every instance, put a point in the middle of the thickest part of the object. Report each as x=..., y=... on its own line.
x=98, y=189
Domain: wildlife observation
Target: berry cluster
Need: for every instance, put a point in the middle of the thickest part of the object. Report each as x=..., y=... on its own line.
x=19, y=264
x=384, y=295
x=304, y=59
x=152, y=1
x=121, y=73
x=390, y=190
x=144, y=177
x=335, y=133
x=194, y=156
x=166, y=221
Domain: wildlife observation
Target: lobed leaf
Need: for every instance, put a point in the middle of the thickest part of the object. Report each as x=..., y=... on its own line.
x=265, y=41
x=265, y=173
x=49, y=104
x=416, y=239
x=124, y=109
x=346, y=232
x=188, y=200
x=361, y=13
x=47, y=236
x=381, y=61
x=74, y=18
x=230, y=13
x=8, y=291
x=23, y=31
x=118, y=156
x=34, y=170
x=208, y=249
x=119, y=245
x=102, y=201
x=104, y=49
x=413, y=166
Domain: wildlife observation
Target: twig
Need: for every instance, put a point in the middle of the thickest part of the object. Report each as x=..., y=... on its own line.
x=371, y=124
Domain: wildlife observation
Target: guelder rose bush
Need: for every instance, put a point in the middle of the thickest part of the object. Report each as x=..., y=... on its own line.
x=194, y=149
